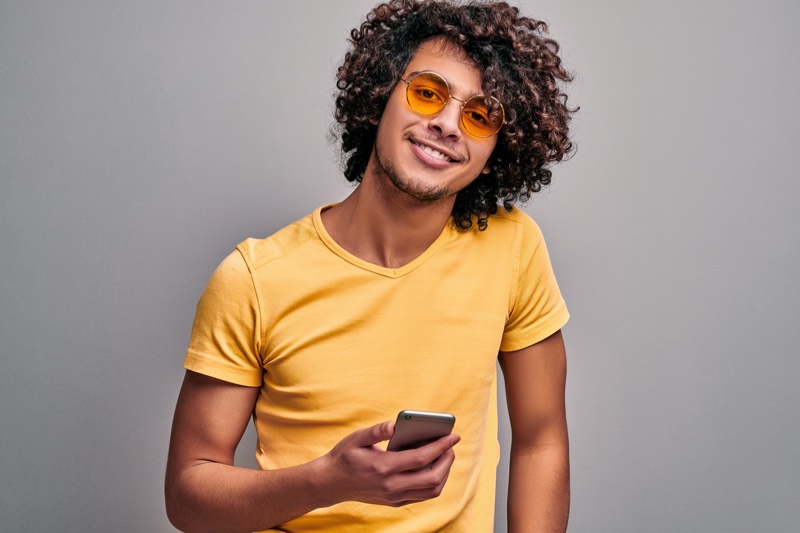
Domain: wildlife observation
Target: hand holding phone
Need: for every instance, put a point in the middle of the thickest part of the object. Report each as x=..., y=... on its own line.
x=417, y=428
x=357, y=469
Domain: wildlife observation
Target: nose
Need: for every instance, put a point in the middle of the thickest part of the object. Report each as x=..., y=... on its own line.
x=448, y=121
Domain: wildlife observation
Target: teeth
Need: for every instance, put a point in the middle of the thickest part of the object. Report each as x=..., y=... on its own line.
x=435, y=153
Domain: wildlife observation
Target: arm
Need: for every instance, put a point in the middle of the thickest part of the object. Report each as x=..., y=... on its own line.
x=205, y=492
x=538, y=492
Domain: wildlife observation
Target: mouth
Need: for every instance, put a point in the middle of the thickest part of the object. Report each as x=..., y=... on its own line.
x=435, y=152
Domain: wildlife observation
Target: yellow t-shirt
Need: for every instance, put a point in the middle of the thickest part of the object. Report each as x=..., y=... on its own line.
x=337, y=344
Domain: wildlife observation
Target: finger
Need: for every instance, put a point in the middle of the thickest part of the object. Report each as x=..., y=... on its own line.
x=419, y=494
x=372, y=435
x=424, y=455
x=444, y=463
x=428, y=478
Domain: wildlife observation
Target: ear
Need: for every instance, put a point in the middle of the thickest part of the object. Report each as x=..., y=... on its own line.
x=487, y=168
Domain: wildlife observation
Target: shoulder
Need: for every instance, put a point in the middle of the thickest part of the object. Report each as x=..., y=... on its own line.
x=260, y=252
x=516, y=218
x=522, y=233
x=515, y=225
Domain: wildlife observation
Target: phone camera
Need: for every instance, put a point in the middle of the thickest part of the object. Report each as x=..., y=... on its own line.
x=407, y=417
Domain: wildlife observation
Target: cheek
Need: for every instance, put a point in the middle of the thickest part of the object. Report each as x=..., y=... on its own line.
x=483, y=154
x=396, y=108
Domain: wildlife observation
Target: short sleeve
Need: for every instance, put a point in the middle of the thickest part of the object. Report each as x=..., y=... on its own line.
x=226, y=338
x=536, y=307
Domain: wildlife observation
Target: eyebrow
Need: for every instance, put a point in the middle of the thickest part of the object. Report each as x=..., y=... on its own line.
x=452, y=87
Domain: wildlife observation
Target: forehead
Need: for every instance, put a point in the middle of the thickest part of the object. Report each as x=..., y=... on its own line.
x=450, y=61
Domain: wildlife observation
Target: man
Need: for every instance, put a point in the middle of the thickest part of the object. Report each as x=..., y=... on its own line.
x=399, y=297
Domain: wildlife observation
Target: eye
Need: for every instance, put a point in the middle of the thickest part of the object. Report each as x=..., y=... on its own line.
x=429, y=94
x=478, y=116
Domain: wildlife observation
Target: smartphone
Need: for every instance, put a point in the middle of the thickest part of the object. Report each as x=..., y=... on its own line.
x=417, y=428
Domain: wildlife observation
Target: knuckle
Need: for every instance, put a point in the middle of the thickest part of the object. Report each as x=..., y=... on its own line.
x=420, y=460
x=381, y=469
x=435, y=480
x=387, y=486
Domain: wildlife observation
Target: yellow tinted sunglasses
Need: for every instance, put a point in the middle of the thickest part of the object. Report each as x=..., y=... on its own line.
x=428, y=93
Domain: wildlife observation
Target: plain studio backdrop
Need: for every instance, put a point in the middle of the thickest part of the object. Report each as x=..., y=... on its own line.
x=141, y=141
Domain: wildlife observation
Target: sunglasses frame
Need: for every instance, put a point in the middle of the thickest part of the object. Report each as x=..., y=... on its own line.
x=451, y=97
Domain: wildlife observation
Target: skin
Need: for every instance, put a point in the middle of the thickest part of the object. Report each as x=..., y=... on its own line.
x=395, y=214
x=538, y=488
x=402, y=132
x=205, y=492
x=406, y=197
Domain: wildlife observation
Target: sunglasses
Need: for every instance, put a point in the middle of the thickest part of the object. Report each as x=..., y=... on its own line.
x=428, y=93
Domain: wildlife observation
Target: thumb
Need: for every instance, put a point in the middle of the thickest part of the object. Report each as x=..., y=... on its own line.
x=373, y=435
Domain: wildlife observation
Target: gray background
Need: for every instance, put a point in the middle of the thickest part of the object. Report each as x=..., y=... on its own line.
x=140, y=141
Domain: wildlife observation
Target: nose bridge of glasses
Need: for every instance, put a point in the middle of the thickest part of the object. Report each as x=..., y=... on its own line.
x=456, y=98
x=454, y=117
x=441, y=81
x=449, y=118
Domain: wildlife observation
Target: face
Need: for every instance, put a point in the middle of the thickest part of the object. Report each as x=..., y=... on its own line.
x=431, y=157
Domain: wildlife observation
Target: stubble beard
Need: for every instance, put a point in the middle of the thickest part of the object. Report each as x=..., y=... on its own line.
x=406, y=184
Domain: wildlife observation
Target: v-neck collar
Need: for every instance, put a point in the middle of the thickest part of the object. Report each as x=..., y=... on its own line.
x=443, y=237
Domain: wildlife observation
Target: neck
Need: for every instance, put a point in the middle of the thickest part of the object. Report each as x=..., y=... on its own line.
x=384, y=226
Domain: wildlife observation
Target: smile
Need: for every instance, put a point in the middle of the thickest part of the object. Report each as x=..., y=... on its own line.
x=433, y=152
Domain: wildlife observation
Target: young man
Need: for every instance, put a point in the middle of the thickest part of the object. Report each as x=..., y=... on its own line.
x=400, y=297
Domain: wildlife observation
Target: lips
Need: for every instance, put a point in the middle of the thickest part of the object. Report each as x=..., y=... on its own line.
x=435, y=153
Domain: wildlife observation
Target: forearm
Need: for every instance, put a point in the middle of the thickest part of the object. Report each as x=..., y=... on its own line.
x=205, y=496
x=209, y=497
x=538, y=489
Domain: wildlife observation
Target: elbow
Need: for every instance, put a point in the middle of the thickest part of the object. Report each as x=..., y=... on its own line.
x=174, y=515
x=176, y=521
x=186, y=513
x=181, y=521
x=177, y=512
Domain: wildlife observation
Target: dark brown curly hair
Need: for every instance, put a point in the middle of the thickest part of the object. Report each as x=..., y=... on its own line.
x=520, y=67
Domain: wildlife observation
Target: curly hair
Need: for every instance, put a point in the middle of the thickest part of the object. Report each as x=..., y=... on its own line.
x=520, y=67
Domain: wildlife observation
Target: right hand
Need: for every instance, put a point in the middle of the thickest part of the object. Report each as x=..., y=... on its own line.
x=358, y=470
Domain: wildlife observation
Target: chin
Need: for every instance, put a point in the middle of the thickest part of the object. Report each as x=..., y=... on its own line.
x=416, y=188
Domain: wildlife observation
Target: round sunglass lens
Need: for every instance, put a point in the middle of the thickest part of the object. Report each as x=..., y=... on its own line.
x=427, y=93
x=482, y=117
